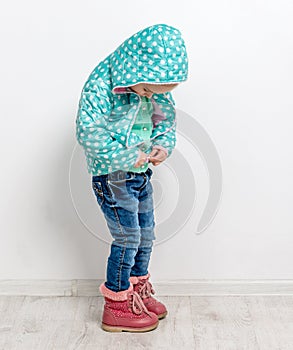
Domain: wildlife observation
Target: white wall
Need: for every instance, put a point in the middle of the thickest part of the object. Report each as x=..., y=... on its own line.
x=239, y=89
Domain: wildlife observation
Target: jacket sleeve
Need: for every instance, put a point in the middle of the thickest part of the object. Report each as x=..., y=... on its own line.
x=167, y=141
x=92, y=133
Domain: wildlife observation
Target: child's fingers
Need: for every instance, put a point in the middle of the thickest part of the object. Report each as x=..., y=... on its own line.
x=156, y=156
x=161, y=156
x=144, y=158
x=156, y=163
x=153, y=153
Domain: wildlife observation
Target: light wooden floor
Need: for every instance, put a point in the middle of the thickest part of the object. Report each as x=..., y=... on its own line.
x=194, y=322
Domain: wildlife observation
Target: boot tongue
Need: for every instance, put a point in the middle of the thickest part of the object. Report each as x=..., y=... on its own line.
x=137, y=304
x=145, y=288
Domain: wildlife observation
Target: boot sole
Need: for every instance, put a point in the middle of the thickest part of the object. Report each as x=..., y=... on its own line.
x=109, y=328
x=161, y=316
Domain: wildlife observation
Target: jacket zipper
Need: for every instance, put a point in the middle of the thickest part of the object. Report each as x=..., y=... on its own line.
x=139, y=105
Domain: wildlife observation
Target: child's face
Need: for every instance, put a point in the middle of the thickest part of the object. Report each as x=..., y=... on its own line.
x=144, y=89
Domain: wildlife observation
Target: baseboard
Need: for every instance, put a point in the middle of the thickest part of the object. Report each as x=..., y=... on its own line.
x=89, y=287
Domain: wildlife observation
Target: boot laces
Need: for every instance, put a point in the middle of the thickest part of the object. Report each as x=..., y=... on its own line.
x=145, y=289
x=136, y=304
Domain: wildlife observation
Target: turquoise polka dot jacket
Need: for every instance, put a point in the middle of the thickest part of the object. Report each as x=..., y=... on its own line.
x=108, y=107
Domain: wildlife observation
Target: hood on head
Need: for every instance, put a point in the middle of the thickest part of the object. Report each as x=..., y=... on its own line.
x=154, y=55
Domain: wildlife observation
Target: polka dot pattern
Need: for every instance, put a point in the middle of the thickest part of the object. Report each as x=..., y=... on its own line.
x=149, y=56
x=105, y=116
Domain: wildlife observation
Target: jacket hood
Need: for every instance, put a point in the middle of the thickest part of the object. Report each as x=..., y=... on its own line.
x=154, y=55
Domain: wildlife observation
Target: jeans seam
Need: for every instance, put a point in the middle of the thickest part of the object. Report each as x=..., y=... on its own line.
x=120, y=266
x=124, y=247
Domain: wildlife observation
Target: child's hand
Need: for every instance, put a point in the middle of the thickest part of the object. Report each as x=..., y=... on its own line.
x=157, y=156
x=141, y=159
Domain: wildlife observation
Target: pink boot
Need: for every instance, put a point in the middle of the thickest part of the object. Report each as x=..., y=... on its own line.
x=125, y=311
x=144, y=288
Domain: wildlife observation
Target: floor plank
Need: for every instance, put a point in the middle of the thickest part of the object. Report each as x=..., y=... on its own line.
x=194, y=322
x=242, y=322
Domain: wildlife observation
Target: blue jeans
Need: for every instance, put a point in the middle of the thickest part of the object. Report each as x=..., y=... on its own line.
x=126, y=200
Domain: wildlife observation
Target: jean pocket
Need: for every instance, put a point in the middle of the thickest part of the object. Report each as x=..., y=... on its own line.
x=98, y=190
x=120, y=176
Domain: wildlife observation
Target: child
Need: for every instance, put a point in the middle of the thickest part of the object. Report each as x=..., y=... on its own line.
x=126, y=120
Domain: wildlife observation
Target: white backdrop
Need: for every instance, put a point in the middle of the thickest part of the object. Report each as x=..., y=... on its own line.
x=239, y=89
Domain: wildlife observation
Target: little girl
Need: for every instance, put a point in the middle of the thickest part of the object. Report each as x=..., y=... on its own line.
x=126, y=120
